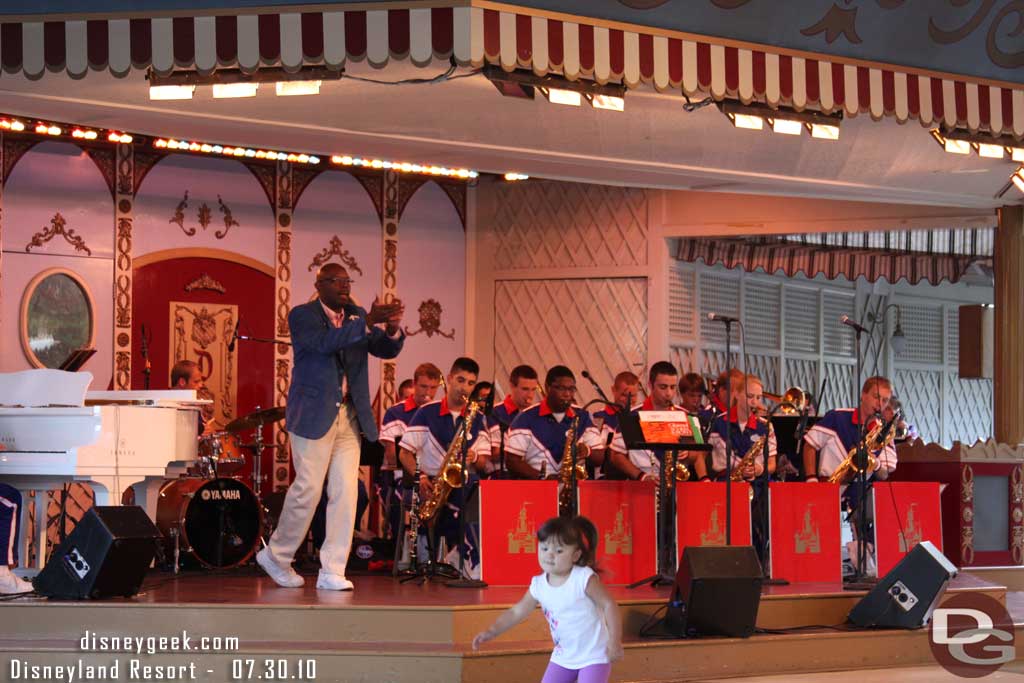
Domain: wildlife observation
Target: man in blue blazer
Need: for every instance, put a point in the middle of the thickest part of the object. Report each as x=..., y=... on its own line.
x=328, y=406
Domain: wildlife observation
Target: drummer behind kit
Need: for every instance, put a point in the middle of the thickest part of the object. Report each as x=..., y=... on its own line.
x=210, y=519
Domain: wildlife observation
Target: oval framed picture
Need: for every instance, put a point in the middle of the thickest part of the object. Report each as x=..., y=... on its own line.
x=58, y=315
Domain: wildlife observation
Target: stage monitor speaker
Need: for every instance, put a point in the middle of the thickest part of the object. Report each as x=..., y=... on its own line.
x=106, y=555
x=717, y=592
x=907, y=595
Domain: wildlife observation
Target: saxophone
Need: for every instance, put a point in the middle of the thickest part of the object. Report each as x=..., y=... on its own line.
x=879, y=436
x=749, y=458
x=451, y=475
x=678, y=472
x=565, y=467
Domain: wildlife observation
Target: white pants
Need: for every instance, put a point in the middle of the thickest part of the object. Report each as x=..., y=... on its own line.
x=336, y=457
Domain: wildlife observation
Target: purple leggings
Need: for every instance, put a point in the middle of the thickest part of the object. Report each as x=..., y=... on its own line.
x=595, y=673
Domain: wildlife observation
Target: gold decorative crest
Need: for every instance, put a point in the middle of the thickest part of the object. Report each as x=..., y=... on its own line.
x=808, y=539
x=204, y=214
x=619, y=541
x=522, y=538
x=204, y=281
x=714, y=534
x=430, y=321
x=911, y=535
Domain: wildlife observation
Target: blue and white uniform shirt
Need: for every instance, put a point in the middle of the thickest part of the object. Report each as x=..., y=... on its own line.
x=538, y=435
x=431, y=432
x=835, y=434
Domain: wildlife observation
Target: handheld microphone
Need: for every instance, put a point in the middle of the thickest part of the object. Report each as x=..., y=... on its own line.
x=722, y=318
x=850, y=322
x=234, y=337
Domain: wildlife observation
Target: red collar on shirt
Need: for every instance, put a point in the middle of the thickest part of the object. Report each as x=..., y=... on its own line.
x=611, y=410
x=409, y=404
x=545, y=409
x=751, y=419
x=444, y=407
x=719, y=408
x=510, y=405
x=648, y=404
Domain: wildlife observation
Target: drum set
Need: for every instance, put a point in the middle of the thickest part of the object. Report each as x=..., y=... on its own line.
x=211, y=518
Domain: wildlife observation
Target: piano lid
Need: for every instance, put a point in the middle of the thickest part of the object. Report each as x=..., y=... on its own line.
x=167, y=398
x=43, y=387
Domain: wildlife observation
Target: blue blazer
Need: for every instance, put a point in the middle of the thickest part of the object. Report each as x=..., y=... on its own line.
x=322, y=352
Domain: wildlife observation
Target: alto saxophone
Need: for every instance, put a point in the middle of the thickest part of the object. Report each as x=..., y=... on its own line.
x=678, y=471
x=565, y=467
x=451, y=475
x=877, y=438
x=749, y=458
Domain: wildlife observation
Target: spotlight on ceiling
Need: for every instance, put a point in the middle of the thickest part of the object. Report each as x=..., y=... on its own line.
x=556, y=89
x=1018, y=178
x=171, y=92
x=181, y=84
x=782, y=120
x=958, y=141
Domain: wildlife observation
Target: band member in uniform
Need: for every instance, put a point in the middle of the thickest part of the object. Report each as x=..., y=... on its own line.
x=746, y=429
x=645, y=464
x=10, y=520
x=717, y=396
x=827, y=443
x=328, y=405
x=523, y=387
x=420, y=391
x=536, y=438
x=625, y=388
x=691, y=393
x=430, y=434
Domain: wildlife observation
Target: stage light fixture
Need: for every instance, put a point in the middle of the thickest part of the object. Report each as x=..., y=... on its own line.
x=787, y=126
x=609, y=102
x=1018, y=178
x=557, y=89
x=84, y=134
x=1016, y=153
x=559, y=96
x=404, y=167
x=746, y=121
x=514, y=177
x=292, y=88
x=957, y=146
x=232, y=90
x=171, y=92
x=823, y=131
x=989, y=151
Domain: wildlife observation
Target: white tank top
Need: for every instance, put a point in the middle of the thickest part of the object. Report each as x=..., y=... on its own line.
x=577, y=627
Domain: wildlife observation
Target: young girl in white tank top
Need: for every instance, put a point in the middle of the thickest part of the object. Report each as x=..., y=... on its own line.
x=584, y=620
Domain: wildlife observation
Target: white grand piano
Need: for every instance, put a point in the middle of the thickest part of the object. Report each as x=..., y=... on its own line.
x=53, y=432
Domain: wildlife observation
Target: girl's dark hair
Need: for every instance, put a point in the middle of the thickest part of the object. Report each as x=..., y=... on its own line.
x=575, y=531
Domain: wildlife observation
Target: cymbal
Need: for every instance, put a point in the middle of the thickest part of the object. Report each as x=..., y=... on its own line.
x=256, y=419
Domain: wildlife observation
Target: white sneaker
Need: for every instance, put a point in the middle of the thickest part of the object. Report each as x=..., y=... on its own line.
x=333, y=582
x=286, y=577
x=11, y=583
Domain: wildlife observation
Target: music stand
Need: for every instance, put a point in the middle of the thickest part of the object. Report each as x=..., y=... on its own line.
x=668, y=431
x=786, y=437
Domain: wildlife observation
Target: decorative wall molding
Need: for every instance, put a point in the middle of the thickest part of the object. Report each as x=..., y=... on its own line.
x=58, y=226
x=204, y=215
x=123, y=187
x=104, y=158
x=389, y=192
x=430, y=321
x=205, y=282
x=14, y=149
x=991, y=451
x=283, y=205
x=335, y=247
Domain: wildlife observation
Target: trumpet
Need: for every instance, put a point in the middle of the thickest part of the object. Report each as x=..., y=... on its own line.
x=794, y=402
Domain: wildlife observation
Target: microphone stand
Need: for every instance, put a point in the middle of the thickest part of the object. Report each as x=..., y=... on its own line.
x=762, y=500
x=247, y=337
x=147, y=367
x=860, y=580
x=728, y=432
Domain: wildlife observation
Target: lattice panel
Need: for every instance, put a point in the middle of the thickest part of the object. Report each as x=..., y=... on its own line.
x=712, y=361
x=969, y=411
x=802, y=373
x=838, y=389
x=923, y=326
x=920, y=392
x=838, y=338
x=594, y=324
x=802, y=319
x=682, y=298
x=555, y=225
x=952, y=336
x=718, y=294
x=684, y=358
x=762, y=311
x=766, y=368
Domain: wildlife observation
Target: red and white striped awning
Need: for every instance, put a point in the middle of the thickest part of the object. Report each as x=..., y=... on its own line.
x=580, y=48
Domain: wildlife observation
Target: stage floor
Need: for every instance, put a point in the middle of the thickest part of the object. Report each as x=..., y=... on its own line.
x=386, y=631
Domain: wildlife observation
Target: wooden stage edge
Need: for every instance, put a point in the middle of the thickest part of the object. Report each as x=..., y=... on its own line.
x=384, y=631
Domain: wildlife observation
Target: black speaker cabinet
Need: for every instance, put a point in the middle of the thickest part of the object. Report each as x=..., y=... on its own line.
x=717, y=592
x=906, y=596
x=106, y=555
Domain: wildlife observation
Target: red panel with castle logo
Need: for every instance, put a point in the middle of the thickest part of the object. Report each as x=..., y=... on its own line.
x=700, y=514
x=912, y=506
x=805, y=533
x=510, y=514
x=624, y=514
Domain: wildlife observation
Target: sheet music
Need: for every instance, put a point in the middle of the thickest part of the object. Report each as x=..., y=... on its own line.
x=44, y=387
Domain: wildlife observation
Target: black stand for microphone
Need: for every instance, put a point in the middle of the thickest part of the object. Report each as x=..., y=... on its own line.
x=147, y=367
x=860, y=580
x=728, y=432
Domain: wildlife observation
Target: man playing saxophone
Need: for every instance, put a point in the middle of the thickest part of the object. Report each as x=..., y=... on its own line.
x=827, y=443
x=745, y=430
x=536, y=438
x=425, y=445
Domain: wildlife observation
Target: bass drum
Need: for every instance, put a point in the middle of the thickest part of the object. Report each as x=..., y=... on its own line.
x=217, y=521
